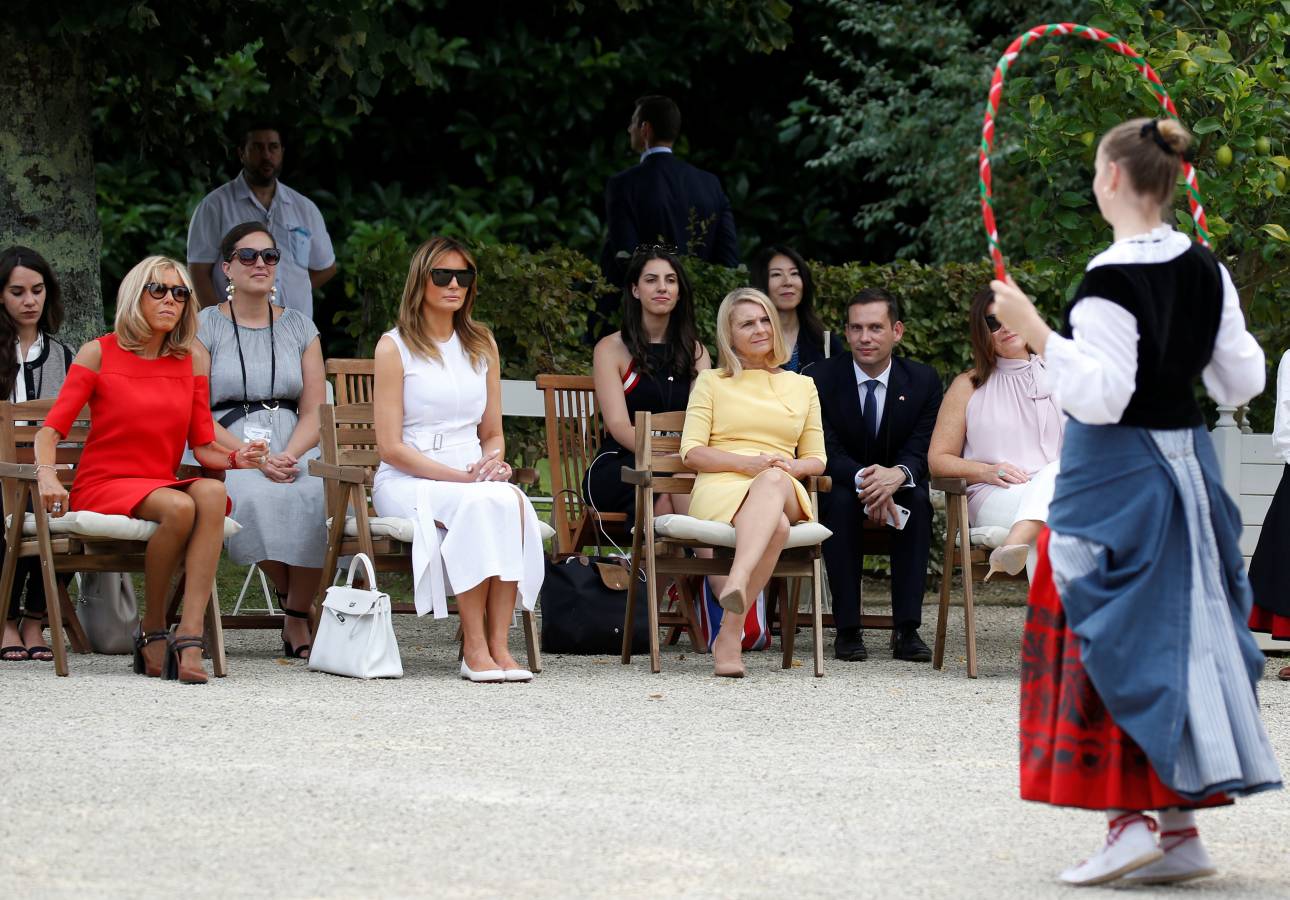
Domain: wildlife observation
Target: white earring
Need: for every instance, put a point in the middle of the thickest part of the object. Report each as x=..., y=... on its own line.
x=228, y=291
x=273, y=295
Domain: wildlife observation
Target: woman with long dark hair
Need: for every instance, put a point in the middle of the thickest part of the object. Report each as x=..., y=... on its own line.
x=32, y=366
x=782, y=274
x=647, y=366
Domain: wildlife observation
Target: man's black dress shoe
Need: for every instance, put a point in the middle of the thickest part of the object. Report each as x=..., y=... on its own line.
x=849, y=645
x=907, y=645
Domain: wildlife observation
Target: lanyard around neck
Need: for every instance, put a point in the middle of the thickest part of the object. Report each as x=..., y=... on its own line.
x=273, y=358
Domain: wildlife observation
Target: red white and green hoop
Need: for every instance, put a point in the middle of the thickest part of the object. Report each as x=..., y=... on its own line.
x=1111, y=42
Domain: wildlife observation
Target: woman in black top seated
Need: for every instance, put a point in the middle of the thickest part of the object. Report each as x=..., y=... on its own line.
x=783, y=275
x=647, y=366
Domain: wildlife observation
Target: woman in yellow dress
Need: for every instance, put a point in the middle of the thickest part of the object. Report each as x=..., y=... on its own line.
x=752, y=430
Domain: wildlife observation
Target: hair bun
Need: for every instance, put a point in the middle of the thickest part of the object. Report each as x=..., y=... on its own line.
x=1173, y=133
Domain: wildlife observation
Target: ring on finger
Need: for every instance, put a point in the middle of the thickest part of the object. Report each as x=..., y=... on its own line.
x=1001, y=473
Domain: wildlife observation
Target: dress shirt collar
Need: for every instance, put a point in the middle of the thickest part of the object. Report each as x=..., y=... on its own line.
x=33, y=352
x=861, y=377
x=650, y=151
x=243, y=190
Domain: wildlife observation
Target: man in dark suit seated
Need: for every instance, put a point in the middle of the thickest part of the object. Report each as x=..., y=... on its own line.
x=879, y=411
x=664, y=199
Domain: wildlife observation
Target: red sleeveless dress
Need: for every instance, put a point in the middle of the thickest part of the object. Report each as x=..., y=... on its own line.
x=142, y=413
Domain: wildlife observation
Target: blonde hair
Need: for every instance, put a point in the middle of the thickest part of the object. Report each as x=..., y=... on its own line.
x=131, y=327
x=729, y=364
x=1151, y=153
x=475, y=338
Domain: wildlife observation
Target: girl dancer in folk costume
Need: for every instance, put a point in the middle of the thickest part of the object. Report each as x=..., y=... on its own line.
x=438, y=407
x=1269, y=569
x=1138, y=671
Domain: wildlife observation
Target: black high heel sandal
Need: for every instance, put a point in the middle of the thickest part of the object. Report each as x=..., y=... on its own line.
x=175, y=670
x=142, y=640
x=289, y=651
x=39, y=652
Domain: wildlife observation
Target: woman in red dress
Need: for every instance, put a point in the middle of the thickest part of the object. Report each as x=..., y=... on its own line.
x=146, y=386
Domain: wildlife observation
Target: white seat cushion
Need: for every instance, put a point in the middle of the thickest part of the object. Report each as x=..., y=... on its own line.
x=85, y=523
x=720, y=534
x=401, y=529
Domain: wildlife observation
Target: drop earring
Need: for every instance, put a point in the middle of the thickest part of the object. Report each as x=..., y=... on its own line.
x=273, y=295
x=228, y=291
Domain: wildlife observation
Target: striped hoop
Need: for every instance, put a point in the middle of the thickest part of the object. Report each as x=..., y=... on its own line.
x=992, y=110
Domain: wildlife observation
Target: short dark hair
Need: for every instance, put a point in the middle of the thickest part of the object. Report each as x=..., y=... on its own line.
x=663, y=115
x=250, y=125
x=876, y=295
x=236, y=233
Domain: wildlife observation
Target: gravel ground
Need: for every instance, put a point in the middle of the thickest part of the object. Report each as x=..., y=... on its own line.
x=883, y=779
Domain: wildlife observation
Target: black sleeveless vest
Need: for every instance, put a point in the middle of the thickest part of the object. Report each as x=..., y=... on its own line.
x=1178, y=305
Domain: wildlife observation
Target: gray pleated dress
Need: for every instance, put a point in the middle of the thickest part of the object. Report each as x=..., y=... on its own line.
x=281, y=522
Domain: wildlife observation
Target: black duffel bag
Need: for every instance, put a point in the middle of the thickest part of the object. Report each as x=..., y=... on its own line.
x=584, y=602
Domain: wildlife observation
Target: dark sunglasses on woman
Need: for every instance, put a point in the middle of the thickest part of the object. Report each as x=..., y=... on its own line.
x=444, y=277
x=156, y=291
x=246, y=256
x=993, y=324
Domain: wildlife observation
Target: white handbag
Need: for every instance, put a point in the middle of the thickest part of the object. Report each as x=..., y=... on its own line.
x=356, y=631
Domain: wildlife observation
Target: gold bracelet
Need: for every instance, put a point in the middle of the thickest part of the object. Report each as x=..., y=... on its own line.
x=40, y=466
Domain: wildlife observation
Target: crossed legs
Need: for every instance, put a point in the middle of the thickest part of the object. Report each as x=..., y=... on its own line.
x=190, y=525
x=761, y=528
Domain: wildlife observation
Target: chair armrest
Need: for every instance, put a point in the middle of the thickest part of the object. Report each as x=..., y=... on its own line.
x=820, y=484
x=950, y=485
x=524, y=476
x=638, y=477
x=20, y=471
x=343, y=474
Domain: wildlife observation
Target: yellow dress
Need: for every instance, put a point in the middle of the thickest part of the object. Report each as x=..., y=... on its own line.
x=757, y=412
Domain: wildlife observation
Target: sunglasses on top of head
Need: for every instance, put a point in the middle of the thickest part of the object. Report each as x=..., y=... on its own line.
x=246, y=256
x=157, y=291
x=992, y=323
x=444, y=277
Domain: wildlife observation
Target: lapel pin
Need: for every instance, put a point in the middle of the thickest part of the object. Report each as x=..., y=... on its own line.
x=901, y=397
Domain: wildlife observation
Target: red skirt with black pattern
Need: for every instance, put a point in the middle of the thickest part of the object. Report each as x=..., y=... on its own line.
x=1072, y=752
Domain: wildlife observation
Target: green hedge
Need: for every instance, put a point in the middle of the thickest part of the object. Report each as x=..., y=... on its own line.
x=539, y=303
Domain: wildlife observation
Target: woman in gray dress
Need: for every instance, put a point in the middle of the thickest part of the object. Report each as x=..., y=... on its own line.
x=267, y=382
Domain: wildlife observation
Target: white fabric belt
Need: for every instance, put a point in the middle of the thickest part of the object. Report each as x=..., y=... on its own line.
x=429, y=441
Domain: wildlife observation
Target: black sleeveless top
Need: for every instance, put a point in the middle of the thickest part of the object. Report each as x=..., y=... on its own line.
x=656, y=391
x=1178, y=305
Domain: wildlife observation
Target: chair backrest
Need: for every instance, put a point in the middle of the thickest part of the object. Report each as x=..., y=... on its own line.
x=573, y=436
x=347, y=437
x=352, y=379
x=658, y=440
x=19, y=423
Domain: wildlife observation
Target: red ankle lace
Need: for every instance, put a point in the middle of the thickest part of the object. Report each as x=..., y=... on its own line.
x=1172, y=840
x=1116, y=826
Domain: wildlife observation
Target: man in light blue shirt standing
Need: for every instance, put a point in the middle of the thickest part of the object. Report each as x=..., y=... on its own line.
x=256, y=195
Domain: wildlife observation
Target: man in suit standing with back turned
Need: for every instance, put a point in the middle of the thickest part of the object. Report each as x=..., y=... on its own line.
x=664, y=199
x=879, y=411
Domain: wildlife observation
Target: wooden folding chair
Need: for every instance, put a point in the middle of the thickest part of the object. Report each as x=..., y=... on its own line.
x=657, y=546
x=573, y=436
x=348, y=465
x=66, y=551
x=973, y=560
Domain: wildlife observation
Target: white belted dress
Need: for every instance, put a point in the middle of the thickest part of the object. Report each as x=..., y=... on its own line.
x=463, y=532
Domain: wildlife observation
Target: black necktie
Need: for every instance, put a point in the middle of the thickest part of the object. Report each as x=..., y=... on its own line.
x=870, y=412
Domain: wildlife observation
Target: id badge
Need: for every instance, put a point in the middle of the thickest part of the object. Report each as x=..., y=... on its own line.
x=258, y=433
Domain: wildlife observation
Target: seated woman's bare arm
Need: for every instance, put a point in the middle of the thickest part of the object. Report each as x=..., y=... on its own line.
x=945, y=452
x=387, y=408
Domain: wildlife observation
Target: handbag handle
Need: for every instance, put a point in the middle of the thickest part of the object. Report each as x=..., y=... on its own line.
x=367, y=563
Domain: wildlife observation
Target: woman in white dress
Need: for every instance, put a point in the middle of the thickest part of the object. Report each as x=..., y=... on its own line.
x=437, y=401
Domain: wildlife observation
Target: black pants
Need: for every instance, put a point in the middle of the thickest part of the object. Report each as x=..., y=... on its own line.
x=27, y=577
x=843, y=553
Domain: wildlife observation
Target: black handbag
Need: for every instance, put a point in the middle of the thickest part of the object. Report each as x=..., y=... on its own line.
x=584, y=602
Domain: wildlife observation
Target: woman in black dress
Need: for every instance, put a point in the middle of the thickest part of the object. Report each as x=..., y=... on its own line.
x=1269, y=571
x=32, y=367
x=646, y=366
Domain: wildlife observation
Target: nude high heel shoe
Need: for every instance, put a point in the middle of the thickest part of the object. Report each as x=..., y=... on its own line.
x=1010, y=558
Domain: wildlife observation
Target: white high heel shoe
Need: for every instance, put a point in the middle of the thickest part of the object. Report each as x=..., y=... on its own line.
x=488, y=676
x=1010, y=558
